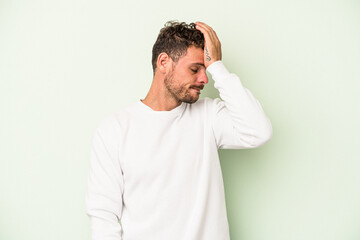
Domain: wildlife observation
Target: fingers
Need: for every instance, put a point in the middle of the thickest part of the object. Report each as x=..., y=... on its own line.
x=209, y=34
x=207, y=31
x=212, y=50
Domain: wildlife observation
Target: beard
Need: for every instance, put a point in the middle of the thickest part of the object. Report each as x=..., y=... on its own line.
x=179, y=92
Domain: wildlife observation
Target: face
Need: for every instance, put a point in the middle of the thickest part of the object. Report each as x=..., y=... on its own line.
x=187, y=77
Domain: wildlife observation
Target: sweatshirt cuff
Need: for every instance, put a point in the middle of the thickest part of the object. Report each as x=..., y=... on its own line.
x=217, y=69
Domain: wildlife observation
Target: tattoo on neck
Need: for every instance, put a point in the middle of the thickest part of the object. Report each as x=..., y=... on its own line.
x=208, y=58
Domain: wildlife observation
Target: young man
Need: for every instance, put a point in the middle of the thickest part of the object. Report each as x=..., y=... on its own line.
x=154, y=164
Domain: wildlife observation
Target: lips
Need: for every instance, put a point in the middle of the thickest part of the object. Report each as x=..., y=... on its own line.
x=197, y=88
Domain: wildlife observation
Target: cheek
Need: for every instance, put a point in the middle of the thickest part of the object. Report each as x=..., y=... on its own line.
x=184, y=79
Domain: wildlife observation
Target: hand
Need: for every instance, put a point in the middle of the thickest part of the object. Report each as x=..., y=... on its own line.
x=212, y=48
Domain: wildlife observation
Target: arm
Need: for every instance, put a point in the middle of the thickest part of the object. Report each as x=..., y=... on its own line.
x=105, y=183
x=239, y=120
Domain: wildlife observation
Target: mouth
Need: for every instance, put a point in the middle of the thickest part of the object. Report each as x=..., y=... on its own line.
x=197, y=89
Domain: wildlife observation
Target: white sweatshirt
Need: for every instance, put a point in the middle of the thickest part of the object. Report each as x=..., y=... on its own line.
x=158, y=172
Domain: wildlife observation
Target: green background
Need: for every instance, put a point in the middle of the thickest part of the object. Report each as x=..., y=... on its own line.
x=65, y=65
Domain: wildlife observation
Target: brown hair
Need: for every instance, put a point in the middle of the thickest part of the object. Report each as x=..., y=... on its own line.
x=174, y=39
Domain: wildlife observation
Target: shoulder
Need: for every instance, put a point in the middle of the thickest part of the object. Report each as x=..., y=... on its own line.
x=203, y=102
x=107, y=126
x=115, y=121
x=206, y=105
x=207, y=102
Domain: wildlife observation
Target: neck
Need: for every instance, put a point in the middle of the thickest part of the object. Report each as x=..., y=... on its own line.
x=158, y=98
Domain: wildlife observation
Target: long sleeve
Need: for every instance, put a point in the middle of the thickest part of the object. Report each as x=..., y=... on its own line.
x=105, y=183
x=239, y=121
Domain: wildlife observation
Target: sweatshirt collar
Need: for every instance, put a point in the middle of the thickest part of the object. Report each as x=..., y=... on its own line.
x=176, y=111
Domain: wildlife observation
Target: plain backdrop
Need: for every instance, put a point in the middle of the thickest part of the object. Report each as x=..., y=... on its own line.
x=65, y=65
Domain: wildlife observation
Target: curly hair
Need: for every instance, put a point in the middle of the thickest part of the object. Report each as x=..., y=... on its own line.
x=174, y=39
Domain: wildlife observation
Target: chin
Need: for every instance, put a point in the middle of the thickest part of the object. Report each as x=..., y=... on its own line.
x=190, y=100
x=189, y=97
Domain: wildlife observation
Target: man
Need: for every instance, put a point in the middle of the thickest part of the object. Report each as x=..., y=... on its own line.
x=154, y=171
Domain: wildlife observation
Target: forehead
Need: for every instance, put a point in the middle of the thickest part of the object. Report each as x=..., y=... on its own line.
x=193, y=55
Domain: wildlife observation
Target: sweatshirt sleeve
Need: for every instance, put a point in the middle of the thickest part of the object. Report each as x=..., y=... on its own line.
x=105, y=183
x=238, y=120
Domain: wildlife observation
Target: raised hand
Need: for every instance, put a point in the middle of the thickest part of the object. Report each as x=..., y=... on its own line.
x=212, y=49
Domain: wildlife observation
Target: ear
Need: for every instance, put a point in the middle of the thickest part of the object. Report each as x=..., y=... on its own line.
x=163, y=62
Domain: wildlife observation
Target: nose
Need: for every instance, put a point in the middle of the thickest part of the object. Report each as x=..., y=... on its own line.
x=203, y=78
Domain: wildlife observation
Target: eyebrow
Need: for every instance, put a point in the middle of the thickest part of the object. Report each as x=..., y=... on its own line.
x=201, y=64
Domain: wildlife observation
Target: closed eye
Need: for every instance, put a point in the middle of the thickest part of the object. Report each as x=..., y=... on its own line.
x=194, y=70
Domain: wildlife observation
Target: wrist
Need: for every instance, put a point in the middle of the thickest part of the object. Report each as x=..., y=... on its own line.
x=217, y=69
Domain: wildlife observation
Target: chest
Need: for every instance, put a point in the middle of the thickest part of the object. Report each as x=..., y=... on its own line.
x=159, y=148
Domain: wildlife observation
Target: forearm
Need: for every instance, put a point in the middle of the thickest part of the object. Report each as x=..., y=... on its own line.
x=249, y=121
